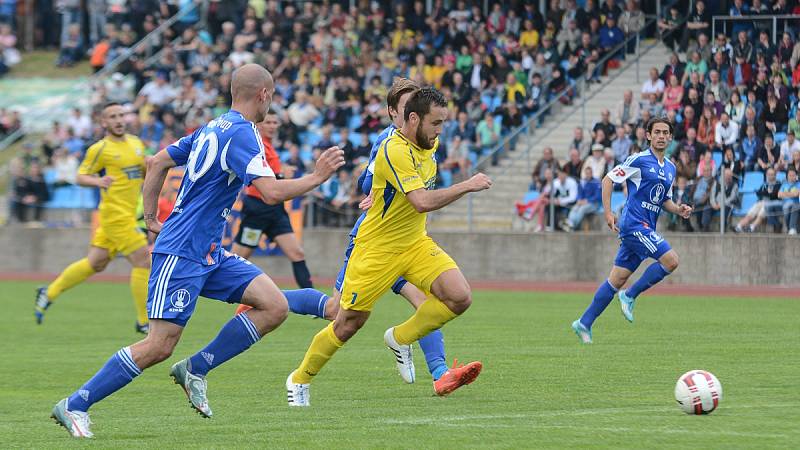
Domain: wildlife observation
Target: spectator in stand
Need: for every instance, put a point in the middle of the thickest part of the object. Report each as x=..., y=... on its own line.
x=80, y=124
x=706, y=127
x=751, y=148
x=565, y=193
x=628, y=110
x=681, y=195
x=157, y=92
x=789, y=147
x=685, y=167
x=71, y=47
x=716, y=107
x=767, y=200
x=699, y=22
x=574, y=163
x=621, y=145
x=487, y=135
x=735, y=108
x=695, y=65
x=691, y=146
x=536, y=208
x=579, y=143
x=716, y=87
x=30, y=193
x=790, y=195
x=596, y=161
x=729, y=197
x=794, y=123
x=673, y=95
x=720, y=64
x=693, y=100
x=611, y=36
x=606, y=125
x=588, y=202
x=770, y=155
x=65, y=166
x=730, y=160
x=669, y=27
x=302, y=113
x=726, y=134
x=548, y=162
x=653, y=85
x=774, y=117
x=701, y=199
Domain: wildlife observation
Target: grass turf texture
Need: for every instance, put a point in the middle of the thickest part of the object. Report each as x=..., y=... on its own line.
x=539, y=387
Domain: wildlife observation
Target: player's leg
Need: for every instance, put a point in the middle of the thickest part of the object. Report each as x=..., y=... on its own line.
x=140, y=274
x=657, y=248
x=242, y=250
x=291, y=248
x=432, y=344
x=96, y=261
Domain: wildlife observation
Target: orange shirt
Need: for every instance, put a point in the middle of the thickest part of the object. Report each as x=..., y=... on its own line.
x=274, y=162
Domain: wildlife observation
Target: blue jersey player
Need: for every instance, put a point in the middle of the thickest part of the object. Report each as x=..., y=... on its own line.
x=648, y=177
x=188, y=260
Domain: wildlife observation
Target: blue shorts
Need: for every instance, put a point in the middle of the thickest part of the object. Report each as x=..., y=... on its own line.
x=396, y=287
x=638, y=246
x=176, y=282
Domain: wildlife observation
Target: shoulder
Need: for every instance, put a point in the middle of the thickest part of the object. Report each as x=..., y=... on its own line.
x=637, y=159
x=97, y=146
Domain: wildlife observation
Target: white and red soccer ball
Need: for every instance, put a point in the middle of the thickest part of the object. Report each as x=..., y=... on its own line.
x=698, y=392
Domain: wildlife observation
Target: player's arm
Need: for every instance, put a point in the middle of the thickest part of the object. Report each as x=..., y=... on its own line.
x=684, y=210
x=275, y=191
x=611, y=219
x=157, y=168
x=424, y=200
x=92, y=164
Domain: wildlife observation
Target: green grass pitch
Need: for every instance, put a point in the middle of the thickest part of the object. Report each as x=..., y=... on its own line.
x=539, y=389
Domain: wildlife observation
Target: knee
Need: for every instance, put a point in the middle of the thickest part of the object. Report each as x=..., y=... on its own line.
x=332, y=308
x=459, y=299
x=671, y=264
x=297, y=254
x=100, y=264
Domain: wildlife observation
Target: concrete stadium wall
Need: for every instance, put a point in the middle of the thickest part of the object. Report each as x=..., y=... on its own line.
x=706, y=259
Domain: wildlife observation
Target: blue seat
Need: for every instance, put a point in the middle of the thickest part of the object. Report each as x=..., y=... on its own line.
x=752, y=181
x=354, y=139
x=354, y=122
x=717, y=157
x=779, y=138
x=781, y=176
x=748, y=200
x=447, y=178
x=530, y=196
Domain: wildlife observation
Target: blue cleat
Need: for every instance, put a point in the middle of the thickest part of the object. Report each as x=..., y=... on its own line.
x=41, y=303
x=584, y=334
x=626, y=303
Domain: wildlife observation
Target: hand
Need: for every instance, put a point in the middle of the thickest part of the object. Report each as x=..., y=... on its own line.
x=685, y=211
x=153, y=225
x=611, y=220
x=479, y=182
x=329, y=162
x=366, y=203
x=105, y=182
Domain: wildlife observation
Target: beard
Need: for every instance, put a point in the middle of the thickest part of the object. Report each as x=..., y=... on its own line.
x=112, y=131
x=422, y=140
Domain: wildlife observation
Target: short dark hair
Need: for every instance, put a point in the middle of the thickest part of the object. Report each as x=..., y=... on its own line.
x=107, y=105
x=422, y=100
x=656, y=120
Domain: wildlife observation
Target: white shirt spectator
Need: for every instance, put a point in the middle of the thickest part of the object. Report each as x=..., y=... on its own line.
x=788, y=148
x=80, y=124
x=66, y=168
x=240, y=58
x=651, y=87
x=566, y=193
x=598, y=164
x=301, y=114
x=726, y=135
x=158, y=94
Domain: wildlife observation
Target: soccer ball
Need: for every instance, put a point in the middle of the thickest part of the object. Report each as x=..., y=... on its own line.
x=698, y=392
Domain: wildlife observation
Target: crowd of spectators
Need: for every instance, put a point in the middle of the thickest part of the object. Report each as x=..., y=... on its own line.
x=332, y=66
x=733, y=101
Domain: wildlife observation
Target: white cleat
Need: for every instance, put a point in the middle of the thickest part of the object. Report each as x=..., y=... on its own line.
x=402, y=354
x=297, y=394
x=76, y=422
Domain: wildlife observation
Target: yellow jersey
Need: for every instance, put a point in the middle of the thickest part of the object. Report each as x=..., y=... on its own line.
x=392, y=224
x=124, y=162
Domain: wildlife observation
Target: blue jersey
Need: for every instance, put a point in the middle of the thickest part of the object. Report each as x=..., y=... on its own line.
x=365, y=180
x=220, y=157
x=649, y=185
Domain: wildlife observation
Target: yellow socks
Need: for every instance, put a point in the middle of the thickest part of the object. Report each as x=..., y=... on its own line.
x=139, y=279
x=431, y=315
x=322, y=348
x=74, y=274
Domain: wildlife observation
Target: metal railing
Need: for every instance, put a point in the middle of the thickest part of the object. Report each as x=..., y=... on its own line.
x=78, y=91
x=784, y=18
x=582, y=91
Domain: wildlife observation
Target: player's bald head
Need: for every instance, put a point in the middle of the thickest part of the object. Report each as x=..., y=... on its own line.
x=249, y=80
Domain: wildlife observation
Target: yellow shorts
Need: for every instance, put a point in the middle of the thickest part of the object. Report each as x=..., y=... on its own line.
x=122, y=239
x=371, y=272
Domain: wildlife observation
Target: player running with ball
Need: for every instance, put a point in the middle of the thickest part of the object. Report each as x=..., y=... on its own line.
x=649, y=177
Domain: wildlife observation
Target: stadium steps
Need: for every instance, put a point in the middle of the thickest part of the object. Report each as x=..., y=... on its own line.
x=494, y=209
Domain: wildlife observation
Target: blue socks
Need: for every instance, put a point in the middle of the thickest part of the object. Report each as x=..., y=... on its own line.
x=603, y=296
x=301, y=274
x=235, y=337
x=433, y=347
x=307, y=301
x=651, y=276
x=118, y=371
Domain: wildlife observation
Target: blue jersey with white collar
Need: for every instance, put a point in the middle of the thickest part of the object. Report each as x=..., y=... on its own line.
x=219, y=157
x=649, y=185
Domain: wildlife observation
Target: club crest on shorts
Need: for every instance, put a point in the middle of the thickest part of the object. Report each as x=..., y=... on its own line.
x=180, y=299
x=655, y=237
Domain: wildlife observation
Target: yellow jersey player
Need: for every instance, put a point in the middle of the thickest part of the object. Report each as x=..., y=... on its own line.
x=392, y=242
x=116, y=165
